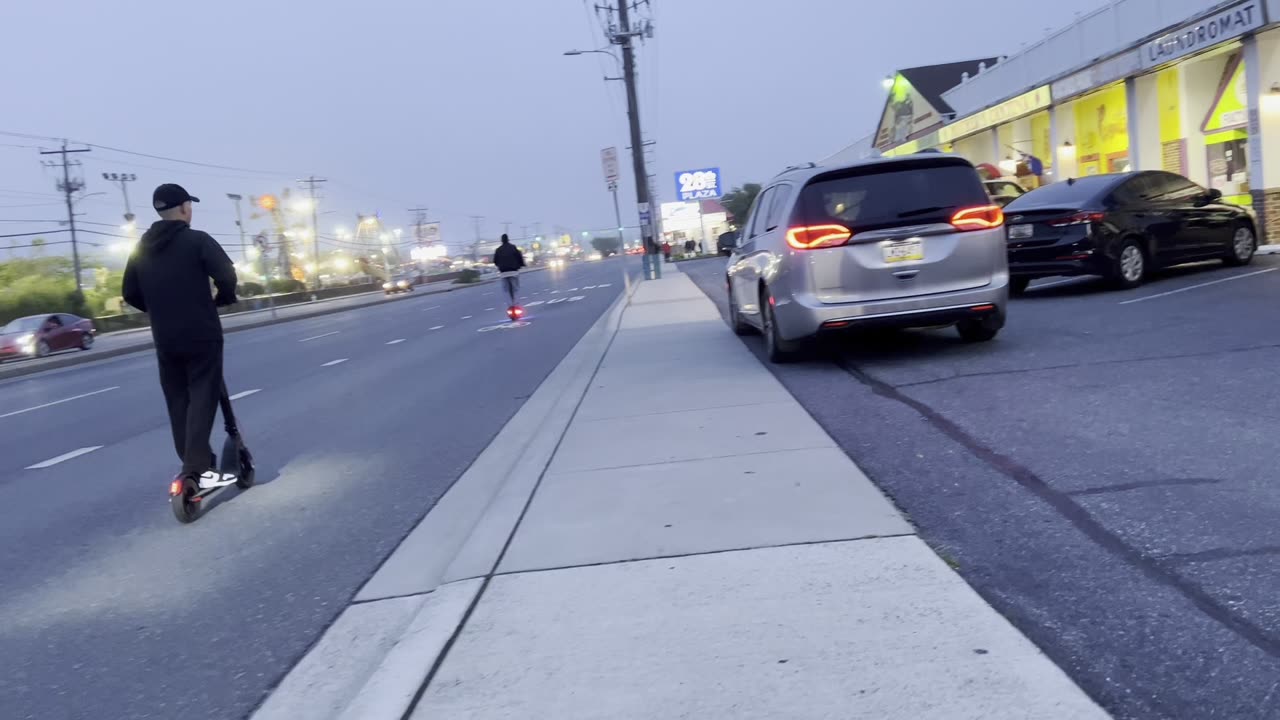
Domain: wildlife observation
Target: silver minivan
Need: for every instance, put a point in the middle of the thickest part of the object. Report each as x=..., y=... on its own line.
x=903, y=242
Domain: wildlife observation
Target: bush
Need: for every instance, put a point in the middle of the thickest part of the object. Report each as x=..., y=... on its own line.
x=250, y=289
x=470, y=275
x=286, y=285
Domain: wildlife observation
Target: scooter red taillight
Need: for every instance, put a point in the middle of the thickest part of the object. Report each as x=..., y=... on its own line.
x=515, y=312
x=175, y=488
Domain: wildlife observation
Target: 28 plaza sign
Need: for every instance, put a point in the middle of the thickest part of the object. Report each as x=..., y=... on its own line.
x=701, y=184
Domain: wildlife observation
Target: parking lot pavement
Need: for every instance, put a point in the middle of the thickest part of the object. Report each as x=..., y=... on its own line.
x=1104, y=473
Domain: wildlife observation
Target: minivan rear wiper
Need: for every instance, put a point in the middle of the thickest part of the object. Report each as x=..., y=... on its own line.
x=923, y=211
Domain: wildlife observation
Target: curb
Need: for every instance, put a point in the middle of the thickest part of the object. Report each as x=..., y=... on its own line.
x=446, y=559
x=65, y=361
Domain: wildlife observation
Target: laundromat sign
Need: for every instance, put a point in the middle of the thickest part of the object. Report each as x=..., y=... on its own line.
x=1204, y=33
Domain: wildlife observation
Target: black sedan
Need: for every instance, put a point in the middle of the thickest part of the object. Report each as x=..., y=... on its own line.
x=1123, y=226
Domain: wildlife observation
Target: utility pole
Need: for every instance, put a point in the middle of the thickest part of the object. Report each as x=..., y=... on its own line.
x=419, y=224
x=311, y=183
x=506, y=227
x=475, y=249
x=624, y=37
x=617, y=214
x=68, y=187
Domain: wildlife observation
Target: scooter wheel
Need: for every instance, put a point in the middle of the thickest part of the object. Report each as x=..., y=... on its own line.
x=244, y=479
x=185, y=507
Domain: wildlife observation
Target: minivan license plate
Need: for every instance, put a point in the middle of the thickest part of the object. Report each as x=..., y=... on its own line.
x=903, y=250
x=1019, y=231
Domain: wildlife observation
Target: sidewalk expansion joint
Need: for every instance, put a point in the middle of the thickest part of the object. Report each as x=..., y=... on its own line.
x=659, y=413
x=693, y=459
x=701, y=553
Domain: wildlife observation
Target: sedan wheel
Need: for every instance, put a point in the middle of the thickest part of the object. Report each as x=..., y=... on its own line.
x=42, y=349
x=1243, y=246
x=86, y=341
x=1131, y=265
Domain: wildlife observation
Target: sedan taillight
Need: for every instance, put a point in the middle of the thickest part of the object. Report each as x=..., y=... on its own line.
x=814, y=237
x=1080, y=218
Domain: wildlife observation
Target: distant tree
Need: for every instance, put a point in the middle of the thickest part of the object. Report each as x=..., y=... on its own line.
x=37, y=246
x=738, y=202
x=607, y=245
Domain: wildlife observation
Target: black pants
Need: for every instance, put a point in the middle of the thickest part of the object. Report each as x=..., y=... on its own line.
x=191, y=377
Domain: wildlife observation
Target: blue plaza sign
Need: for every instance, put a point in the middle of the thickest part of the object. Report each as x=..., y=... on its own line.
x=698, y=184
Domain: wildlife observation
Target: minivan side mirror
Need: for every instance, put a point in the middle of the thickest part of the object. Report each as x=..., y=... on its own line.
x=1213, y=195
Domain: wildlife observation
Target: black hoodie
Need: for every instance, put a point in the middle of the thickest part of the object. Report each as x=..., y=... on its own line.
x=168, y=278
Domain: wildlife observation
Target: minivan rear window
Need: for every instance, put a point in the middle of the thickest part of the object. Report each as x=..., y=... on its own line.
x=891, y=196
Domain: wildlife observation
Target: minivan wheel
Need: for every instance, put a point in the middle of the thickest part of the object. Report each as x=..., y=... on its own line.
x=1130, y=267
x=740, y=328
x=778, y=350
x=1243, y=246
x=980, y=329
x=1018, y=285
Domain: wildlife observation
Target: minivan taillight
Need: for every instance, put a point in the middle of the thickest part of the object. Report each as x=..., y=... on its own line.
x=983, y=217
x=814, y=237
x=1080, y=218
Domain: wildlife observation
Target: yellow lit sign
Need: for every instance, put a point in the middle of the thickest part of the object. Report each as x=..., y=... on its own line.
x=1024, y=104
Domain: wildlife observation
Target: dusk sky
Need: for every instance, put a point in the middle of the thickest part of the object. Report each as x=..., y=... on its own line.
x=467, y=108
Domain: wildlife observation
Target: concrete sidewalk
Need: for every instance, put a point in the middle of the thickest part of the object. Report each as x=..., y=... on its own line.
x=698, y=547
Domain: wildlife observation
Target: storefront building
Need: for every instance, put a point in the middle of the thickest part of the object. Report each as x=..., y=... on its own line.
x=1195, y=90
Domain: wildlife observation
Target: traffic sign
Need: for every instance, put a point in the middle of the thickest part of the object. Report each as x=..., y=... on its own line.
x=609, y=159
x=701, y=184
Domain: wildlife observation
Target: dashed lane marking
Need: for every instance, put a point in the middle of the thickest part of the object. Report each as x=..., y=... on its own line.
x=59, y=402
x=317, y=337
x=64, y=457
x=397, y=341
x=339, y=361
x=246, y=393
x=437, y=327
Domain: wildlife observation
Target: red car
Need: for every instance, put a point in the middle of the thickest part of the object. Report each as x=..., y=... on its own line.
x=40, y=335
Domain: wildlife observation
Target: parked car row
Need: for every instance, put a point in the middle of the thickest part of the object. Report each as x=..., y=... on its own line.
x=921, y=241
x=42, y=335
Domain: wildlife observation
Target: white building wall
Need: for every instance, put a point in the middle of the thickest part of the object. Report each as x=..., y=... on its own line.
x=1268, y=111
x=1095, y=36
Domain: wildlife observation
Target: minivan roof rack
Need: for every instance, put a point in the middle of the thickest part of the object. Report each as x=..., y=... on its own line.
x=793, y=168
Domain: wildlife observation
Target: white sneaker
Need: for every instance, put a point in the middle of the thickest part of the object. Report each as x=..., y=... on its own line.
x=213, y=479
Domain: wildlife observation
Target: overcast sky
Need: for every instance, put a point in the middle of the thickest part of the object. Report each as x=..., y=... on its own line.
x=467, y=107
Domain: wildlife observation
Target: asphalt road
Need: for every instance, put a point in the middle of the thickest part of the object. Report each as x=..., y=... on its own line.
x=359, y=422
x=1104, y=473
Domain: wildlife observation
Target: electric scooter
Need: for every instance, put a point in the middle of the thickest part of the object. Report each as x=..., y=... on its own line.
x=185, y=494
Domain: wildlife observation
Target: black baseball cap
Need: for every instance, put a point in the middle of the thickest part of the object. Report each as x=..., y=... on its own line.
x=170, y=195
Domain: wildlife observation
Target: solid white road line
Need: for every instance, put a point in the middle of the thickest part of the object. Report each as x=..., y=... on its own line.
x=339, y=361
x=1195, y=287
x=437, y=327
x=317, y=337
x=59, y=402
x=246, y=394
x=64, y=457
x=397, y=341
